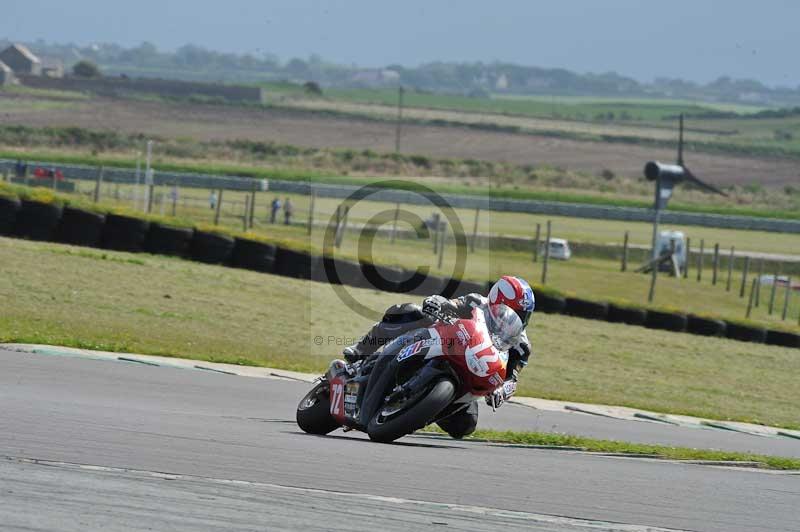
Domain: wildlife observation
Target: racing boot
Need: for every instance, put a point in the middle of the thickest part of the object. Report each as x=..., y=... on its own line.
x=381, y=334
x=369, y=343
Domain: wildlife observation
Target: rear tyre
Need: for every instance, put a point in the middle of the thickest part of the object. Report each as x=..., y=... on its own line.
x=314, y=411
x=386, y=429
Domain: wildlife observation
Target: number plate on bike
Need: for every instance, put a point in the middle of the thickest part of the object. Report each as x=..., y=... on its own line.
x=351, y=399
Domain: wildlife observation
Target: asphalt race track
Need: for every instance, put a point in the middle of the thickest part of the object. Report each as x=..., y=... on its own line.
x=96, y=445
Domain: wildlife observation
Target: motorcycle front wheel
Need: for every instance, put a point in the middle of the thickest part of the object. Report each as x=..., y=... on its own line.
x=395, y=421
x=314, y=411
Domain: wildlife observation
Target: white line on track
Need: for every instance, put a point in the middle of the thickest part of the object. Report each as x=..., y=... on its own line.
x=521, y=517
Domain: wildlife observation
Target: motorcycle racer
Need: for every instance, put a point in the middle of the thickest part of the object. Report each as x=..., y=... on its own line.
x=508, y=292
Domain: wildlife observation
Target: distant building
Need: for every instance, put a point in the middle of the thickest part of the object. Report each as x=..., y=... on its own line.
x=376, y=77
x=21, y=60
x=6, y=75
x=502, y=83
x=52, y=68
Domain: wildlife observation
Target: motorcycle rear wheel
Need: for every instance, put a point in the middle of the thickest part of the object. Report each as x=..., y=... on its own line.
x=314, y=411
x=387, y=429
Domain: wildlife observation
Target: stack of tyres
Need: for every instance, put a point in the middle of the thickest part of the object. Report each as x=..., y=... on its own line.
x=124, y=233
x=550, y=303
x=667, y=321
x=625, y=314
x=9, y=207
x=211, y=248
x=705, y=326
x=583, y=308
x=418, y=282
x=80, y=227
x=745, y=333
x=783, y=338
x=167, y=240
x=253, y=255
x=37, y=220
x=291, y=263
x=383, y=278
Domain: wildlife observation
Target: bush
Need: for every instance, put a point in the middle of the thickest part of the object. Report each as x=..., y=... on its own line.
x=86, y=69
x=312, y=88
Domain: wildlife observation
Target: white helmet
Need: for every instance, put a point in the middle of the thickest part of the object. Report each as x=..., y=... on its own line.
x=504, y=325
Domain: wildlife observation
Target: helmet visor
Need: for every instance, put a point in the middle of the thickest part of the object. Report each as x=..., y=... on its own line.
x=504, y=325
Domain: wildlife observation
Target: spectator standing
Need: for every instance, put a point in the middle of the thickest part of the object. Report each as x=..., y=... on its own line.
x=275, y=206
x=288, y=210
x=212, y=200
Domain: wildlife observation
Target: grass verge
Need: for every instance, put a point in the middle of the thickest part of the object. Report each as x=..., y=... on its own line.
x=62, y=295
x=628, y=448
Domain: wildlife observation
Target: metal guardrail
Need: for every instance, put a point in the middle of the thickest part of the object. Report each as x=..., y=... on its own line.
x=553, y=208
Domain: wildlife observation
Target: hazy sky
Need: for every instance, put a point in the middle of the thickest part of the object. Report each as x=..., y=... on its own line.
x=698, y=40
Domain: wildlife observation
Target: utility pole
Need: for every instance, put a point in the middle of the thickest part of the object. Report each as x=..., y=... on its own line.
x=148, y=178
x=398, y=131
x=666, y=176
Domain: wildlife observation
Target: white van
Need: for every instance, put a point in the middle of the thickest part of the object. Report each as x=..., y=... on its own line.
x=559, y=249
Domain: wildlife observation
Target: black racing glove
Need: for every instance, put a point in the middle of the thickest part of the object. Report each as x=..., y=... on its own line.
x=438, y=307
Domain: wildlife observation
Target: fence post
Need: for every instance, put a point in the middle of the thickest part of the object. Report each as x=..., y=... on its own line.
x=311, y=210
x=219, y=207
x=772, y=293
x=97, y=184
x=341, y=224
x=730, y=271
x=436, y=233
x=442, y=237
x=688, y=255
x=546, y=254
x=475, y=230
x=700, y=260
x=715, y=265
x=252, y=207
x=174, y=200
x=758, y=286
x=150, y=191
x=394, y=223
x=625, y=253
x=750, y=301
x=344, y=224
x=745, y=271
x=536, y=242
x=786, y=298
x=246, y=213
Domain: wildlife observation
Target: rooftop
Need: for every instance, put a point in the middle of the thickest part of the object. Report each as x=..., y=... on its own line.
x=23, y=50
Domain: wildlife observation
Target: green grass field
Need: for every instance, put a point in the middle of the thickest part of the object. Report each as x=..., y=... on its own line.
x=88, y=298
x=634, y=120
x=587, y=277
x=545, y=106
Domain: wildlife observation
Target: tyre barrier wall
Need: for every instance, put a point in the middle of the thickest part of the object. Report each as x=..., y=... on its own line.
x=627, y=315
x=553, y=208
x=43, y=221
x=9, y=207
